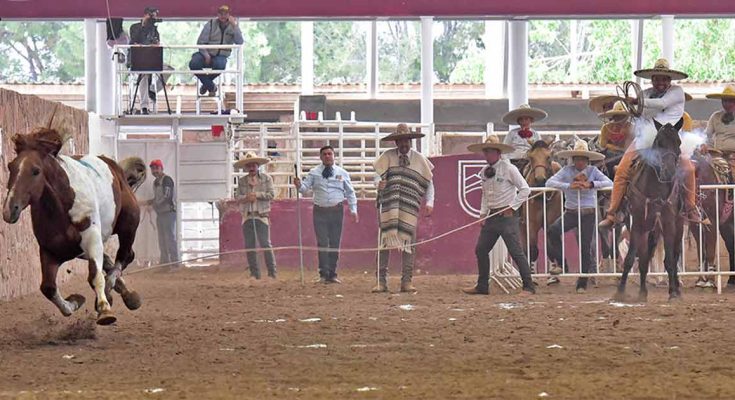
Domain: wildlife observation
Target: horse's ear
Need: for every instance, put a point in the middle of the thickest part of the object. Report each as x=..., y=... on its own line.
x=20, y=142
x=657, y=125
x=679, y=124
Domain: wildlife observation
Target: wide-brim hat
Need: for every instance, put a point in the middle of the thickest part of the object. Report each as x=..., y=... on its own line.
x=249, y=158
x=524, y=110
x=688, y=97
x=618, y=110
x=603, y=103
x=402, y=132
x=581, y=149
x=727, y=93
x=492, y=142
x=661, y=67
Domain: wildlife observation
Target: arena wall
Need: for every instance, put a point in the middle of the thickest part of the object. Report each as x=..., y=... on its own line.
x=20, y=267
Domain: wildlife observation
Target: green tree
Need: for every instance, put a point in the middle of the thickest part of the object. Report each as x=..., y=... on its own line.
x=460, y=42
x=339, y=52
x=399, y=54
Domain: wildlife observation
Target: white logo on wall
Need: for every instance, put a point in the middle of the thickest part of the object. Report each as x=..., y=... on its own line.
x=469, y=184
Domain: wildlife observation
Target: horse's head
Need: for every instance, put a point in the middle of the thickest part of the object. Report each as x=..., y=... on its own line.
x=539, y=165
x=27, y=181
x=666, y=149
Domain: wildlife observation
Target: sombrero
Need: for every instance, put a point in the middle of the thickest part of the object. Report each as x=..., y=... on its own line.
x=600, y=104
x=727, y=93
x=618, y=110
x=581, y=149
x=660, y=67
x=402, y=132
x=524, y=110
x=250, y=157
x=492, y=142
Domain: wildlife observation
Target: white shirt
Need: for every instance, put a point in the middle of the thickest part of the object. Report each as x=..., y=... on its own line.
x=520, y=144
x=506, y=188
x=667, y=109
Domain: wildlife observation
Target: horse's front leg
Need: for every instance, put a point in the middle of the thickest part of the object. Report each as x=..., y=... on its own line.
x=49, y=268
x=673, y=251
x=633, y=244
x=94, y=249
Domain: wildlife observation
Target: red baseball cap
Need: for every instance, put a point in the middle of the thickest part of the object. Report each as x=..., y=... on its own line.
x=157, y=163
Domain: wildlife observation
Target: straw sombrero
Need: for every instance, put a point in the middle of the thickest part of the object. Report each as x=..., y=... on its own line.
x=492, y=142
x=581, y=149
x=660, y=67
x=402, y=132
x=688, y=97
x=727, y=93
x=600, y=104
x=524, y=110
x=250, y=157
x=618, y=110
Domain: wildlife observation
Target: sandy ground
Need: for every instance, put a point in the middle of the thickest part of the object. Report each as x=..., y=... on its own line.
x=212, y=333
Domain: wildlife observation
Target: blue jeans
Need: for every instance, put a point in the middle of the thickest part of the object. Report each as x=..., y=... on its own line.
x=197, y=63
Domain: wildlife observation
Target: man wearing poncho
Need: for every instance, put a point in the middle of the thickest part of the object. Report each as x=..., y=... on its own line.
x=405, y=179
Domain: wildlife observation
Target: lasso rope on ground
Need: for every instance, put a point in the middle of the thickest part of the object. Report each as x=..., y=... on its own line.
x=315, y=248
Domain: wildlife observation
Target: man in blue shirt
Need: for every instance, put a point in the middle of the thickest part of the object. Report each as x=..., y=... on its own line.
x=579, y=181
x=331, y=186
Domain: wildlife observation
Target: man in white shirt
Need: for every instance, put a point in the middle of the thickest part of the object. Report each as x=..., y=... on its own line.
x=663, y=102
x=524, y=136
x=503, y=191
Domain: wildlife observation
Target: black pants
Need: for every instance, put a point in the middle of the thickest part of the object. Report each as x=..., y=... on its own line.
x=493, y=229
x=328, y=230
x=253, y=229
x=584, y=239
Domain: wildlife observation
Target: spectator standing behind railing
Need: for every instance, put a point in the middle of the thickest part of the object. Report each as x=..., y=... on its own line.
x=145, y=32
x=579, y=181
x=222, y=30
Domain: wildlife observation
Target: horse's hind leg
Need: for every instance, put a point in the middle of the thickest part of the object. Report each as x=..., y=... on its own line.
x=124, y=257
x=644, y=261
x=49, y=268
x=728, y=236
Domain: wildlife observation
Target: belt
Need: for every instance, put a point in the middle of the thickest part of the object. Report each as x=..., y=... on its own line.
x=502, y=211
x=582, y=211
x=338, y=206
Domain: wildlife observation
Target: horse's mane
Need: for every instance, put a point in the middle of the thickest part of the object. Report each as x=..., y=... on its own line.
x=43, y=140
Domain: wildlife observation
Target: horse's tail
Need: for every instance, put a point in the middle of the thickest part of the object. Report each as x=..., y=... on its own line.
x=135, y=171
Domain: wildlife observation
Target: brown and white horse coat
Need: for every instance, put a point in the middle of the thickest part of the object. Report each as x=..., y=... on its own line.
x=76, y=205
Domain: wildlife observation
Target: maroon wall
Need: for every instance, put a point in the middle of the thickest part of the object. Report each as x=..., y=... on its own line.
x=456, y=197
x=45, y=9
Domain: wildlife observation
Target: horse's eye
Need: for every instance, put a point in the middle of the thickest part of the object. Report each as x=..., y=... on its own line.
x=35, y=171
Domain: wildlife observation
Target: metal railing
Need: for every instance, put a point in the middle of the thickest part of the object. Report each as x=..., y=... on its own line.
x=123, y=73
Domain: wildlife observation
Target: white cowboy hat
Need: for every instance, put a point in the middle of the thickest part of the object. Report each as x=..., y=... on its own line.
x=581, y=149
x=492, y=142
x=618, y=110
x=524, y=110
x=727, y=93
x=603, y=103
x=402, y=132
x=249, y=158
x=660, y=67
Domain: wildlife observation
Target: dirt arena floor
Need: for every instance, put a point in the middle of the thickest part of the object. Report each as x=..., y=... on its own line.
x=212, y=333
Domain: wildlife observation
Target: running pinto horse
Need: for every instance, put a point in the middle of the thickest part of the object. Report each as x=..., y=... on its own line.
x=76, y=203
x=654, y=202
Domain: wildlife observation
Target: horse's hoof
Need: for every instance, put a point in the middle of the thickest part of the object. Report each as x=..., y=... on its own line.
x=674, y=298
x=106, y=318
x=642, y=298
x=77, y=300
x=132, y=300
x=619, y=297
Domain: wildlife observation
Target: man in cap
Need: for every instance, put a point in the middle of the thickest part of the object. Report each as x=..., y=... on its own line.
x=664, y=103
x=404, y=179
x=579, y=181
x=524, y=136
x=503, y=191
x=721, y=124
x=255, y=192
x=331, y=186
x=164, y=204
x=222, y=30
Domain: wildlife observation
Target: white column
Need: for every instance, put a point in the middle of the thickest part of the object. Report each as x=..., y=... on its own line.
x=636, y=29
x=372, y=59
x=90, y=76
x=667, y=38
x=307, y=57
x=495, y=59
x=427, y=70
x=105, y=71
x=518, y=64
